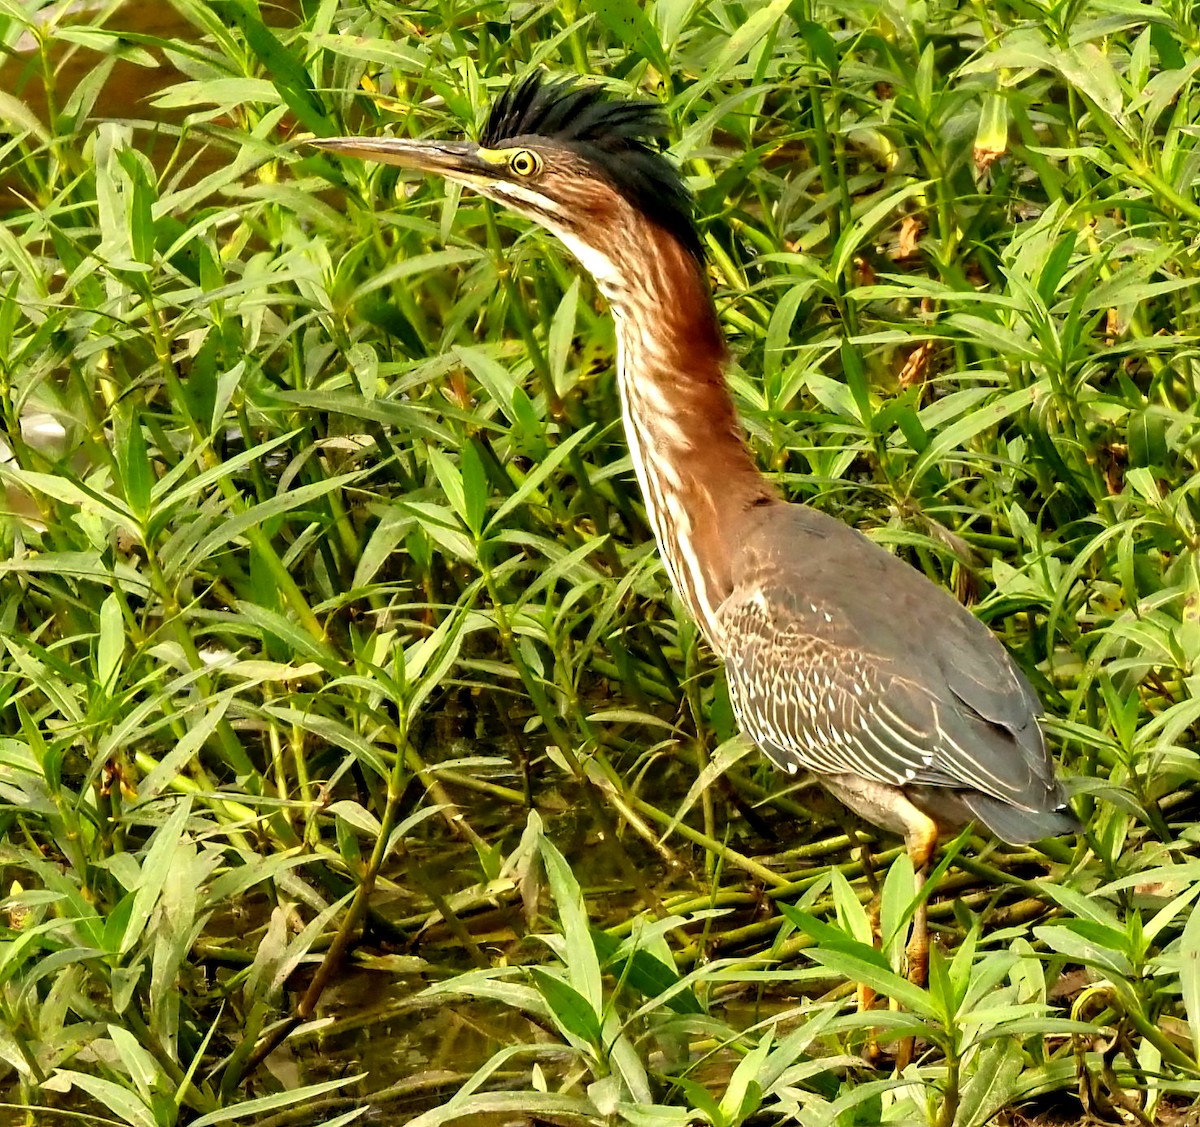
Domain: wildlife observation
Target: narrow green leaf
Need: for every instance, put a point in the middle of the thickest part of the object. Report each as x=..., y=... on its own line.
x=649, y=976
x=137, y=474
x=14, y=112
x=868, y=973
x=850, y=911
x=110, y=647
x=1189, y=977
x=992, y=1084
x=283, y=68
x=255, y=516
x=299, y=642
x=484, y=1107
x=222, y=93
x=197, y=734
x=538, y=475
x=562, y=333
x=450, y=479
x=744, y=1093
x=113, y=1097
x=70, y=492
x=568, y=1007
x=955, y=436
x=1007, y=343
x=746, y=37
x=155, y=865
x=257, y=1107
x=1088, y=69
x=441, y=525
x=582, y=964
x=140, y=1065
x=474, y=487
x=628, y=22
x=356, y=815
x=865, y=223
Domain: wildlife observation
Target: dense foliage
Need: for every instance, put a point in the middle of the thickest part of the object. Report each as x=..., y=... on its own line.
x=354, y=752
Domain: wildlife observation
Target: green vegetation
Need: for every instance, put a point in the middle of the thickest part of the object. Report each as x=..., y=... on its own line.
x=334, y=648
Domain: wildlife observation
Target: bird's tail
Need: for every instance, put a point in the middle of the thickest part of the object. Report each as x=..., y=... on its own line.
x=1017, y=826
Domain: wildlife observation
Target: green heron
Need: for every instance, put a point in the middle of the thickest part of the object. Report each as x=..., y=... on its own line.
x=842, y=660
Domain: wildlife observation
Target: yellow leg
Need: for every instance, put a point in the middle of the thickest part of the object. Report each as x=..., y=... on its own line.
x=872, y=1053
x=866, y=996
x=920, y=848
x=918, y=944
x=889, y=808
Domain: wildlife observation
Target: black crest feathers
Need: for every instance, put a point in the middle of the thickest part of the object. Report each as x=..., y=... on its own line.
x=619, y=139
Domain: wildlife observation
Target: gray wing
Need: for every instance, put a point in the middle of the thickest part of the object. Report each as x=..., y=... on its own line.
x=842, y=659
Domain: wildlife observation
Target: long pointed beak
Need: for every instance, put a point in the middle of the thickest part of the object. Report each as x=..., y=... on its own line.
x=456, y=160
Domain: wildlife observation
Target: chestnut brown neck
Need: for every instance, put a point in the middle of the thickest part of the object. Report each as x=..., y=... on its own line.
x=697, y=475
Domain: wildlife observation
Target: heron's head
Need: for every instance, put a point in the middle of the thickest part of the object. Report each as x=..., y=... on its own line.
x=587, y=168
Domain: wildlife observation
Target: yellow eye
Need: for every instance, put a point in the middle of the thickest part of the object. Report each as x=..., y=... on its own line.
x=525, y=163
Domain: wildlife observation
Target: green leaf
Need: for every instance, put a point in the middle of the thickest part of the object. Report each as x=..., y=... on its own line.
x=281, y=65
x=140, y=1065
x=356, y=815
x=568, y=1007
x=223, y=94
x=141, y=203
x=1148, y=438
x=436, y=260
x=299, y=642
x=407, y=418
x=628, y=22
x=1002, y=340
x=896, y=905
x=113, y=1097
x=745, y=38
x=110, y=647
x=1088, y=69
x=852, y=916
x=71, y=492
x=427, y=661
x=562, y=333
x=474, y=487
x=160, y=855
x=14, y=112
x=1093, y=908
x=539, y=474
x=197, y=734
x=649, y=976
x=866, y=222
x=1189, y=977
x=259, y=1106
x=820, y=42
x=744, y=1093
x=991, y=135
x=1096, y=946
x=255, y=516
x=701, y=1099
x=137, y=473
x=580, y=959
x=827, y=936
x=958, y=434
x=484, y=1107
x=992, y=1084
x=859, y=963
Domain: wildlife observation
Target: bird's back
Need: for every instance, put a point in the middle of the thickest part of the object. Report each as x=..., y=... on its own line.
x=844, y=660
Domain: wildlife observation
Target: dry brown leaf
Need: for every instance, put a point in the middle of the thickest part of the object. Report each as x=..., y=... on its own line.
x=916, y=367
x=910, y=232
